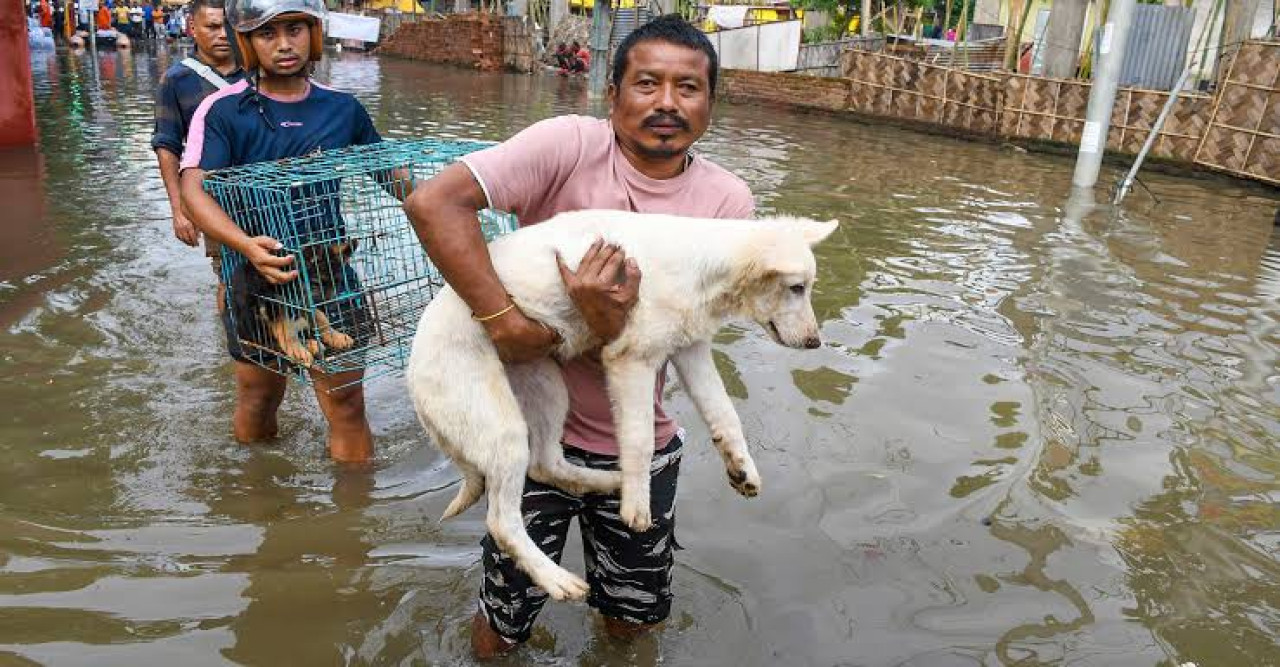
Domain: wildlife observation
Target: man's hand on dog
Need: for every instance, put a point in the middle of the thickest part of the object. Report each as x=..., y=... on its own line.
x=605, y=288
x=520, y=339
x=272, y=266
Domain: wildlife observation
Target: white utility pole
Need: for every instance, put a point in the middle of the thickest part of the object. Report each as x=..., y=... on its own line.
x=601, y=25
x=93, y=28
x=1111, y=39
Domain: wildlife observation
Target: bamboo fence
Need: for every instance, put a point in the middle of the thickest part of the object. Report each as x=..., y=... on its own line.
x=1243, y=136
x=1236, y=131
x=1045, y=109
x=912, y=90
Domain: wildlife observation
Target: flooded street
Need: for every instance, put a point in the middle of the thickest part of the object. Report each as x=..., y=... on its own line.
x=1028, y=440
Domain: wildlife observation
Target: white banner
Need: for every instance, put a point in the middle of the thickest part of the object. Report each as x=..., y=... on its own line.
x=353, y=26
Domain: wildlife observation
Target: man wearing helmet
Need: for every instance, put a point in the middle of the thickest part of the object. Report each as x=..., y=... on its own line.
x=276, y=112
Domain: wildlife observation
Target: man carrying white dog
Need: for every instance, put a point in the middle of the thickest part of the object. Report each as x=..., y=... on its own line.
x=660, y=98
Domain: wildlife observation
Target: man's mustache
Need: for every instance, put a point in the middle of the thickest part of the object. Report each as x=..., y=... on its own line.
x=666, y=119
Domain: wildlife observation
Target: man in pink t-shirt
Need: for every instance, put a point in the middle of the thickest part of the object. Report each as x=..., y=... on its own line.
x=661, y=95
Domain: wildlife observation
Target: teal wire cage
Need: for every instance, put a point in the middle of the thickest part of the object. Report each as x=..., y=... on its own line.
x=363, y=277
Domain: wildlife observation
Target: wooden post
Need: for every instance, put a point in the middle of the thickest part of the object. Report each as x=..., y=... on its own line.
x=960, y=34
x=1013, y=43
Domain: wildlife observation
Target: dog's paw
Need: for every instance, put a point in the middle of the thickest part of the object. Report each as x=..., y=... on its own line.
x=339, y=341
x=744, y=478
x=562, y=584
x=635, y=512
x=300, y=355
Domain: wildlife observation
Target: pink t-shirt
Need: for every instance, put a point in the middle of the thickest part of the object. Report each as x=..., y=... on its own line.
x=571, y=163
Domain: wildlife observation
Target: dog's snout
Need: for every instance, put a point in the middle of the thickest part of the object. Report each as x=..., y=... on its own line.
x=813, y=342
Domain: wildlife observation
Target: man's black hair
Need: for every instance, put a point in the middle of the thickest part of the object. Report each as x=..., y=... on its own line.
x=672, y=29
x=197, y=5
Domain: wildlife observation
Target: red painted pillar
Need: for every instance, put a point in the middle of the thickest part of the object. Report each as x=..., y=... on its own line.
x=17, y=107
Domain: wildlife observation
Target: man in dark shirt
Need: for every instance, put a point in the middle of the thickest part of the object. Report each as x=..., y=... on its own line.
x=184, y=87
x=278, y=112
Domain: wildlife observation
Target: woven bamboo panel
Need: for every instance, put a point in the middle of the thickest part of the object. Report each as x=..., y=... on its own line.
x=988, y=100
x=1244, y=128
x=1255, y=63
x=904, y=75
x=933, y=80
x=1054, y=110
x=1140, y=111
x=1224, y=149
x=908, y=89
x=1116, y=128
x=1239, y=107
x=1236, y=132
x=1265, y=162
x=1184, y=127
x=880, y=101
x=933, y=83
x=988, y=92
x=1009, y=120
x=904, y=104
x=1271, y=118
x=955, y=110
x=1073, y=100
x=1038, y=103
x=931, y=109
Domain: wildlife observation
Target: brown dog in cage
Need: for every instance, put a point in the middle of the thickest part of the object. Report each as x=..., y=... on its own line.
x=263, y=320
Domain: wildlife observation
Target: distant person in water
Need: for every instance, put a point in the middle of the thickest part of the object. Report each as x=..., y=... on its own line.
x=580, y=61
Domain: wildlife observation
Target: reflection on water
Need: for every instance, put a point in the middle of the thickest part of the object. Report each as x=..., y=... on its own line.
x=1034, y=436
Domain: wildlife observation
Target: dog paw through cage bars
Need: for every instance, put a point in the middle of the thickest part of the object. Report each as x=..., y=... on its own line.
x=363, y=278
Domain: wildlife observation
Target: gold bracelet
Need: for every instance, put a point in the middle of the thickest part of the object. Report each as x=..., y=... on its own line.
x=498, y=314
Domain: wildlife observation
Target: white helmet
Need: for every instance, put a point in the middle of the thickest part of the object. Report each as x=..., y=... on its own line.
x=245, y=16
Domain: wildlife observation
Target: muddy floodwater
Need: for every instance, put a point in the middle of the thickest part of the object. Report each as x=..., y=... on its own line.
x=1031, y=437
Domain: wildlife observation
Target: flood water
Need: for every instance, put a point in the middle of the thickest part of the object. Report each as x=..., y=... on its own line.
x=1030, y=438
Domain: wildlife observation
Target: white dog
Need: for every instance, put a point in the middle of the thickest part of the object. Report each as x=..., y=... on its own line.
x=500, y=422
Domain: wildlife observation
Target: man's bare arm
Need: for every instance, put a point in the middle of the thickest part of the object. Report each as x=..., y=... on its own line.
x=443, y=213
x=396, y=182
x=212, y=220
x=182, y=225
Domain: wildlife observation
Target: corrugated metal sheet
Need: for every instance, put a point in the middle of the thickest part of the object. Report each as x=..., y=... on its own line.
x=1157, y=46
x=822, y=55
x=626, y=20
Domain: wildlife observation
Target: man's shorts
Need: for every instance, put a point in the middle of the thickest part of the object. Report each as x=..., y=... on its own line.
x=629, y=573
x=213, y=250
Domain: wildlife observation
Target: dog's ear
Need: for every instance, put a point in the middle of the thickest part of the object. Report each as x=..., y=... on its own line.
x=815, y=232
x=344, y=249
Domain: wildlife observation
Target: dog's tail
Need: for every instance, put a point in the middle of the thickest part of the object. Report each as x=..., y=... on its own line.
x=472, y=489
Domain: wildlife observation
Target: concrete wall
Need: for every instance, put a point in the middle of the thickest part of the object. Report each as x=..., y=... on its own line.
x=794, y=90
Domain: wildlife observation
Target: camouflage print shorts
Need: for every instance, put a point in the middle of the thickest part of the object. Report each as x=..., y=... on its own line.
x=629, y=573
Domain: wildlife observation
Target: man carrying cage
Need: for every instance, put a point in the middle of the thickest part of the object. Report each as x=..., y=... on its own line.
x=278, y=112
